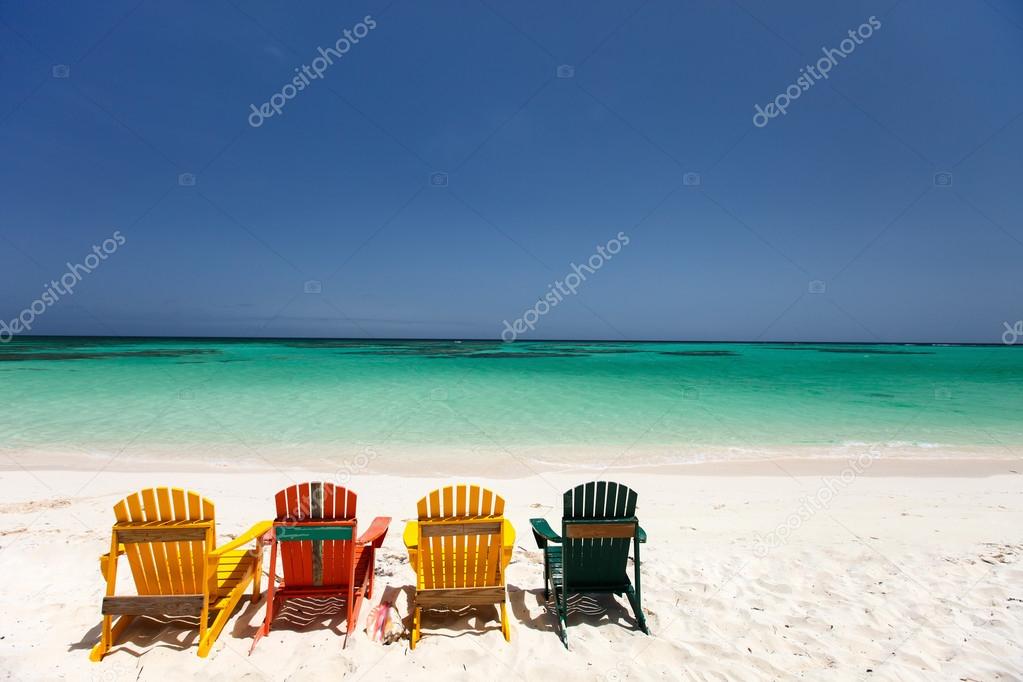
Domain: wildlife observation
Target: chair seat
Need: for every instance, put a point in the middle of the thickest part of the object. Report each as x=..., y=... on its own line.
x=234, y=568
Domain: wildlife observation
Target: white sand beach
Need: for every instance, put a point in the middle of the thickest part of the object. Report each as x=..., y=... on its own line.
x=909, y=571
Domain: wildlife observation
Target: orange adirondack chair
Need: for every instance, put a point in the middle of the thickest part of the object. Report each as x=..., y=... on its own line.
x=314, y=536
x=459, y=548
x=168, y=536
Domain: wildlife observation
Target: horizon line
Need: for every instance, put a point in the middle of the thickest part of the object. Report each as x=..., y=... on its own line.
x=499, y=340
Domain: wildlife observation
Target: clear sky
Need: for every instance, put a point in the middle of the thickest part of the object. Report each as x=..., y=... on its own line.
x=439, y=175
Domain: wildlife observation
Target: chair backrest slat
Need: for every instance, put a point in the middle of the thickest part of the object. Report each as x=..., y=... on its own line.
x=171, y=561
x=322, y=559
x=469, y=501
x=596, y=552
x=460, y=537
x=600, y=500
x=158, y=549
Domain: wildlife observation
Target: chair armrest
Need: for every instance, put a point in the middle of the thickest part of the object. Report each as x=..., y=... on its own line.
x=543, y=533
x=376, y=532
x=251, y=534
x=641, y=534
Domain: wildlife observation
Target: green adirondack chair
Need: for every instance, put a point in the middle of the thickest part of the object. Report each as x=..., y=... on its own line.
x=592, y=553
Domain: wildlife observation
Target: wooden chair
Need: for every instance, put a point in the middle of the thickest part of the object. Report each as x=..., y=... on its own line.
x=598, y=525
x=314, y=536
x=460, y=546
x=168, y=536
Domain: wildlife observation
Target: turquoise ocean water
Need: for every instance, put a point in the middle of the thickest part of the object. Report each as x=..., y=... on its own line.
x=67, y=393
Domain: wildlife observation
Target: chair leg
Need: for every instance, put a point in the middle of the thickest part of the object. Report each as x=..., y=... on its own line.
x=103, y=646
x=268, y=618
x=637, y=609
x=206, y=642
x=206, y=636
x=505, y=626
x=271, y=596
x=218, y=624
x=204, y=625
x=353, y=612
x=262, y=632
x=111, y=631
x=414, y=636
x=562, y=607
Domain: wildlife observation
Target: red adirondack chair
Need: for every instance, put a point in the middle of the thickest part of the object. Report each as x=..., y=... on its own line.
x=314, y=537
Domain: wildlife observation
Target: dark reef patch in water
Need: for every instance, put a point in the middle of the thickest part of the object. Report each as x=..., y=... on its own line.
x=874, y=351
x=854, y=351
x=380, y=352
x=423, y=349
x=599, y=351
x=467, y=349
x=103, y=355
x=509, y=354
x=474, y=350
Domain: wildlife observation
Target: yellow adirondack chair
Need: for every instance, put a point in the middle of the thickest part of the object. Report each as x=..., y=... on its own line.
x=459, y=548
x=168, y=537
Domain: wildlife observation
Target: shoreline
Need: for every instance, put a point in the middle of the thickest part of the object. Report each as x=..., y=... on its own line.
x=501, y=463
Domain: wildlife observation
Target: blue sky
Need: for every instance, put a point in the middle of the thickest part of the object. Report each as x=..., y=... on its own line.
x=540, y=170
